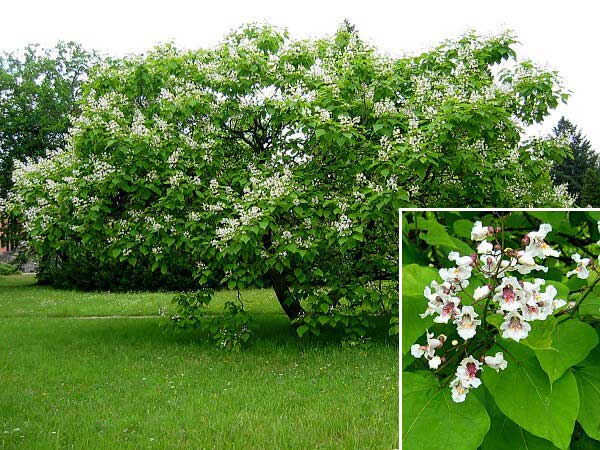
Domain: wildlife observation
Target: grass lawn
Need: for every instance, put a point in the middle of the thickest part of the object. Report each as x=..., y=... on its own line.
x=130, y=383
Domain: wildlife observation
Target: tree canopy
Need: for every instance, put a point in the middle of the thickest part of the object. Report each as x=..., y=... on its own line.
x=268, y=160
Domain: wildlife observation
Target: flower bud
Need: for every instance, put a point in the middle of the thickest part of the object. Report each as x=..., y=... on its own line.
x=442, y=338
x=571, y=305
x=491, y=229
x=474, y=258
x=497, y=247
x=525, y=241
x=454, y=342
x=443, y=358
x=498, y=230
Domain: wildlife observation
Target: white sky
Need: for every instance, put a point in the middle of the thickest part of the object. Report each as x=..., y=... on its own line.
x=564, y=35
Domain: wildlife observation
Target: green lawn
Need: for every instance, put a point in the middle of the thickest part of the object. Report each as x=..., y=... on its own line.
x=130, y=383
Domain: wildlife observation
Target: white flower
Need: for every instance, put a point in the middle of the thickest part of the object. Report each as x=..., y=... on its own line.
x=508, y=294
x=493, y=263
x=496, y=362
x=515, y=327
x=461, y=272
x=448, y=311
x=534, y=304
x=485, y=247
x=526, y=263
x=435, y=298
x=466, y=322
x=428, y=351
x=467, y=372
x=581, y=270
x=460, y=260
x=459, y=390
x=479, y=233
x=435, y=362
x=481, y=292
x=537, y=246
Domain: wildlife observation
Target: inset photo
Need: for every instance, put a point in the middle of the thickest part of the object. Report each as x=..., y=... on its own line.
x=500, y=324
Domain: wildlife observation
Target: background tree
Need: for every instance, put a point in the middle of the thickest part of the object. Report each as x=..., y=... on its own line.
x=39, y=89
x=590, y=192
x=571, y=171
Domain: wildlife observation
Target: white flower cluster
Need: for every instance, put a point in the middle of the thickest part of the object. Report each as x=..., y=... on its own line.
x=518, y=301
x=466, y=374
x=343, y=225
x=385, y=107
x=347, y=121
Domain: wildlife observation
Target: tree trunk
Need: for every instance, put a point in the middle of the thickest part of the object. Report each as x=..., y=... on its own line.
x=290, y=305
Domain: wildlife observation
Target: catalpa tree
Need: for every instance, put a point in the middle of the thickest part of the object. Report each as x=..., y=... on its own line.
x=283, y=162
x=503, y=340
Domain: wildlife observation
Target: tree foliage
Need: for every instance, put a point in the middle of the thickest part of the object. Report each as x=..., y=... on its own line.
x=590, y=191
x=268, y=160
x=39, y=89
x=572, y=171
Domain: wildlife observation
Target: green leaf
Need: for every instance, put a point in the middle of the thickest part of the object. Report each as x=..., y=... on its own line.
x=554, y=219
x=301, y=330
x=572, y=341
x=323, y=319
x=587, y=375
x=540, y=336
x=437, y=235
x=431, y=420
x=504, y=434
x=524, y=394
x=414, y=280
x=590, y=307
x=462, y=228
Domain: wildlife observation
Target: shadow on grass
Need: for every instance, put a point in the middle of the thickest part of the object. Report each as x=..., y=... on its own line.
x=270, y=334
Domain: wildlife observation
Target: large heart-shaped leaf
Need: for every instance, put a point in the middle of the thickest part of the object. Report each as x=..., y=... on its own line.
x=414, y=280
x=437, y=236
x=590, y=306
x=540, y=336
x=504, y=434
x=572, y=341
x=588, y=381
x=432, y=421
x=524, y=394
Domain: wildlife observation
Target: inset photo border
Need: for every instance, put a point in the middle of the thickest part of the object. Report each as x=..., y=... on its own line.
x=499, y=325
